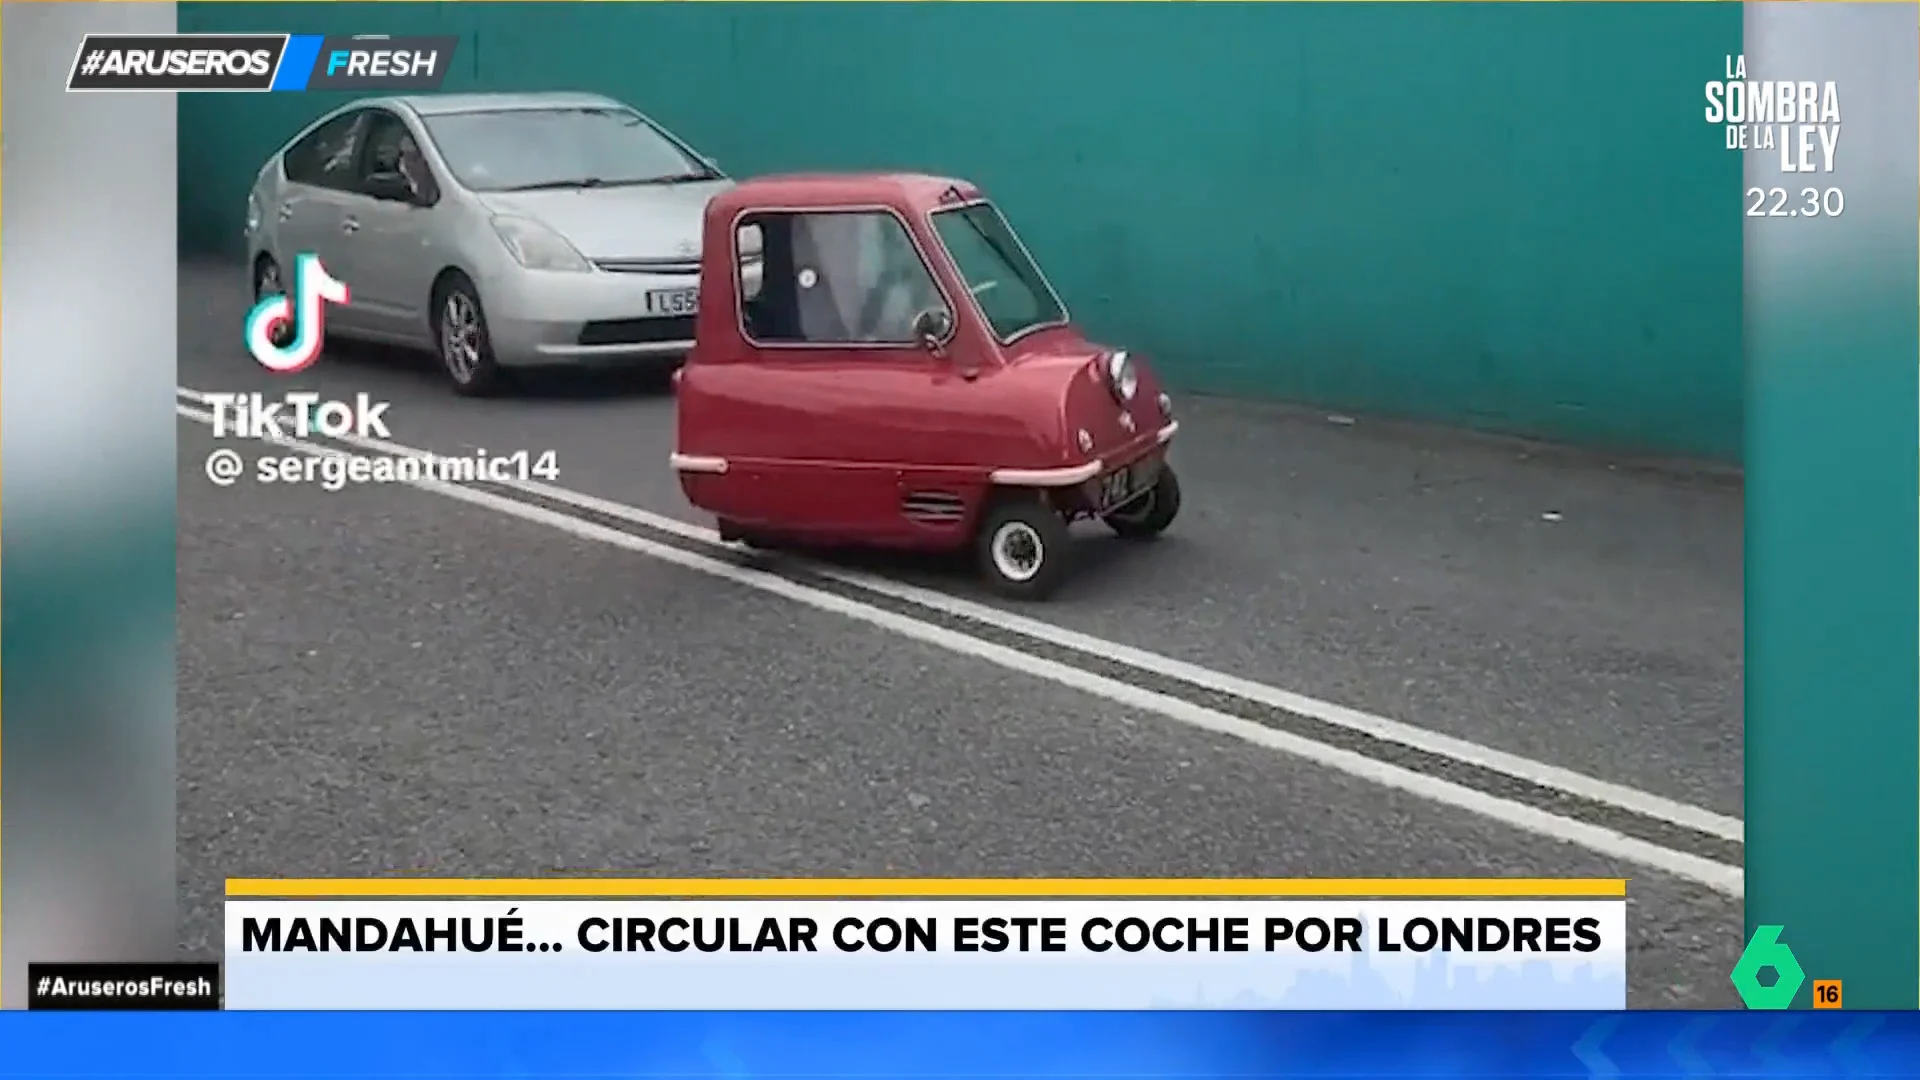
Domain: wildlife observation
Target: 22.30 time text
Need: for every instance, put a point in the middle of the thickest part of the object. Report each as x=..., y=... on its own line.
x=1812, y=202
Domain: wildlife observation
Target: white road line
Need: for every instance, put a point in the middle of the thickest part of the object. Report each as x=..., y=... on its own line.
x=1728, y=880
x=1553, y=777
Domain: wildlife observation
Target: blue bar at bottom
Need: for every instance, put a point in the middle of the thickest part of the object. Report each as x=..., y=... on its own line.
x=901, y=1046
x=296, y=64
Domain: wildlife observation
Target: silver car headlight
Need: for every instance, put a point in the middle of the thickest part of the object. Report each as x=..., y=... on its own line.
x=537, y=247
x=1121, y=377
x=253, y=212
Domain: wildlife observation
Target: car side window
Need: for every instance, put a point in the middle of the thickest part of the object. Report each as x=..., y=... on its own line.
x=392, y=149
x=836, y=277
x=750, y=243
x=325, y=158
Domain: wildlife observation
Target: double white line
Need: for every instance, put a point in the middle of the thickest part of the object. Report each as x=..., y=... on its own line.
x=1721, y=877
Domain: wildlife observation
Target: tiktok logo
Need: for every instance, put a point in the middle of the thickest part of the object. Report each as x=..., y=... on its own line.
x=305, y=312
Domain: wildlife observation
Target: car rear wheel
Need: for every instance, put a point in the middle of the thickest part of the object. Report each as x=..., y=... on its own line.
x=1149, y=515
x=1023, y=548
x=460, y=334
x=267, y=282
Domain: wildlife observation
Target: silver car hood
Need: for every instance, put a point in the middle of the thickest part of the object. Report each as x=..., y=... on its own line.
x=637, y=222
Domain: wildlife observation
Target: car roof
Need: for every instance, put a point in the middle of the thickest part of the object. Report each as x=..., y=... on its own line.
x=917, y=190
x=450, y=104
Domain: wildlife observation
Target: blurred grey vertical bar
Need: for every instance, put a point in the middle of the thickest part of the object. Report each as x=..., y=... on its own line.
x=1833, y=383
x=88, y=287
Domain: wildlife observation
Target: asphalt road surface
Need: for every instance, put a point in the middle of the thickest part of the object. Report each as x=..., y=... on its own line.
x=1364, y=650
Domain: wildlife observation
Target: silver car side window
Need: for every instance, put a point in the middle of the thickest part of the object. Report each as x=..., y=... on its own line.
x=325, y=157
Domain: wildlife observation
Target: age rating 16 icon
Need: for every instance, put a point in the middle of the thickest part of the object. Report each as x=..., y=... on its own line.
x=1767, y=953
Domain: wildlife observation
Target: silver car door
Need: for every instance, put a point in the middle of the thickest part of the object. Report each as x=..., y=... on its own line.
x=387, y=230
x=321, y=182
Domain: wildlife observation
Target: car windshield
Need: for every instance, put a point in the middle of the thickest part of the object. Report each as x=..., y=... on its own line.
x=535, y=149
x=1011, y=293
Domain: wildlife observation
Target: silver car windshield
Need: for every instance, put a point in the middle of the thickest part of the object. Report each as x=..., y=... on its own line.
x=1003, y=280
x=533, y=149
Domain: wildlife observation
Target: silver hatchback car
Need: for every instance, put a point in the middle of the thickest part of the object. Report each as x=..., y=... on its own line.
x=498, y=230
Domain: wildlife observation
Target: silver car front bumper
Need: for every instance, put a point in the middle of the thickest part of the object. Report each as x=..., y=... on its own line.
x=541, y=317
x=594, y=317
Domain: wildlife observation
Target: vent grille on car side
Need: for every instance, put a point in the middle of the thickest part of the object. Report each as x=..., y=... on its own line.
x=933, y=507
x=637, y=331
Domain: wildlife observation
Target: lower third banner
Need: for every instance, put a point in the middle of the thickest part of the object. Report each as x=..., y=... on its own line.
x=895, y=953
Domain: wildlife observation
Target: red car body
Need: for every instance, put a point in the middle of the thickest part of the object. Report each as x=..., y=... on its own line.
x=806, y=411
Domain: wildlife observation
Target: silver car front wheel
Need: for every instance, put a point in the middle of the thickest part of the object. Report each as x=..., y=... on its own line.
x=460, y=333
x=266, y=282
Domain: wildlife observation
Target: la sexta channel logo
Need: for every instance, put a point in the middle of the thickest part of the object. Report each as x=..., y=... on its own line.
x=285, y=331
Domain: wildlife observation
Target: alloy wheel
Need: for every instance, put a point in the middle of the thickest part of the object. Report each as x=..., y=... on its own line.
x=460, y=337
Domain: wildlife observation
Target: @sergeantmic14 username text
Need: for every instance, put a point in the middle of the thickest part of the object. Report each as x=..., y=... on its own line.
x=333, y=470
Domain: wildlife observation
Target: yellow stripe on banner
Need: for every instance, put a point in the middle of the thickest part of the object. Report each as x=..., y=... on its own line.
x=919, y=888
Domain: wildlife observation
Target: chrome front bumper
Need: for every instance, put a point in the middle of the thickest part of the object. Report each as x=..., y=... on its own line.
x=592, y=317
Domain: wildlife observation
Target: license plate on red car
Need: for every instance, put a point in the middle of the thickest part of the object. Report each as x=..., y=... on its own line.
x=1121, y=485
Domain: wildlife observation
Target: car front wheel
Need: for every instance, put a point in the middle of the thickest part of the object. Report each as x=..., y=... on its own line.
x=460, y=334
x=1023, y=548
x=266, y=282
x=1149, y=515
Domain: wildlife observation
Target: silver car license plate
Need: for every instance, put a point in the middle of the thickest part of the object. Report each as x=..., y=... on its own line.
x=672, y=301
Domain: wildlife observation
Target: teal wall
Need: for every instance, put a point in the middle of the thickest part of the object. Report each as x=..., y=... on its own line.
x=1506, y=216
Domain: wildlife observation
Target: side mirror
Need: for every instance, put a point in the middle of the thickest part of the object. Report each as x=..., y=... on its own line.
x=392, y=185
x=931, y=327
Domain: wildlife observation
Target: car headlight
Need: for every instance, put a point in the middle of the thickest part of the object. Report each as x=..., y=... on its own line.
x=537, y=247
x=253, y=212
x=1121, y=376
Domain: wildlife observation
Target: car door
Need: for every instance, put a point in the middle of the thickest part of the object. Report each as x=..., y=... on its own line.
x=831, y=371
x=388, y=239
x=321, y=180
